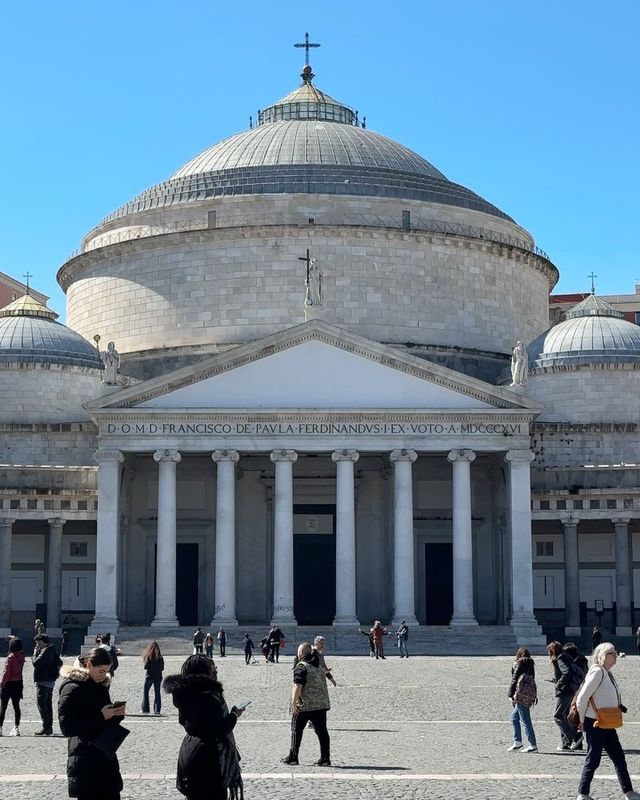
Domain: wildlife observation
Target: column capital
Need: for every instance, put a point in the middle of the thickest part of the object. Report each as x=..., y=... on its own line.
x=569, y=521
x=56, y=522
x=622, y=521
x=225, y=455
x=283, y=455
x=402, y=455
x=461, y=455
x=519, y=456
x=345, y=455
x=108, y=457
x=7, y=522
x=167, y=455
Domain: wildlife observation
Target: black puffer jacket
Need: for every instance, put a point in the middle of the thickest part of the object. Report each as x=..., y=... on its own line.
x=80, y=715
x=523, y=666
x=208, y=724
x=568, y=676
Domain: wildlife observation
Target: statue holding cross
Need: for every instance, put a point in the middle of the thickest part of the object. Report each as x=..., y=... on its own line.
x=313, y=293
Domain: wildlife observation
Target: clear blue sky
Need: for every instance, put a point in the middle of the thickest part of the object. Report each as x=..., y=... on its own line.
x=533, y=104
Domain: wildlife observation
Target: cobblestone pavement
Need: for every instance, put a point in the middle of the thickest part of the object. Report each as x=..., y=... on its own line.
x=411, y=729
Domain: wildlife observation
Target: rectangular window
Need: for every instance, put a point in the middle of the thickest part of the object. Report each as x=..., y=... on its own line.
x=48, y=505
x=212, y=219
x=577, y=504
x=628, y=502
x=594, y=504
x=82, y=505
x=544, y=505
x=32, y=504
x=406, y=220
x=78, y=549
x=544, y=549
x=561, y=505
x=611, y=503
x=65, y=505
x=14, y=504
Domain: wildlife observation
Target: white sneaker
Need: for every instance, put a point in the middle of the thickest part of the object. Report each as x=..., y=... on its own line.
x=515, y=746
x=530, y=749
x=15, y=731
x=584, y=797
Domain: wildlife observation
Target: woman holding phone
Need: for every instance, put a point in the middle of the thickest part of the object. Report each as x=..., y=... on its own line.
x=90, y=721
x=209, y=762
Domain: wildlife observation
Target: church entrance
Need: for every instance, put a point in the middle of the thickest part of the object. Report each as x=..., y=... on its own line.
x=186, y=583
x=314, y=564
x=438, y=564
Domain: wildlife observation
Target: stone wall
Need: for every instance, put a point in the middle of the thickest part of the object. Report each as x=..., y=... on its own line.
x=64, y=444
x=238, y=284
x=46, y=393
x=606, y=393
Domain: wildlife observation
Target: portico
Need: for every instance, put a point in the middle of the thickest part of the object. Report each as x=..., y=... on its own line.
x=362, y=412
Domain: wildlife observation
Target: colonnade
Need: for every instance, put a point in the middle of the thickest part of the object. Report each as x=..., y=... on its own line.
x=109, y=461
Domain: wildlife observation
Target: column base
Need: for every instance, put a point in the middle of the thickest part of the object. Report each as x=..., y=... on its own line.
x=168, y=622
x=527, y=631
x=624, y=630
x=398, y=619
x=572, y=631
x=103, y=625
x=463, y=621
x=346, y=622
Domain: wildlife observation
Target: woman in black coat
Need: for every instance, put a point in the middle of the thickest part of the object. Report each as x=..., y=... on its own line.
x=85, y=713
x=208, y=763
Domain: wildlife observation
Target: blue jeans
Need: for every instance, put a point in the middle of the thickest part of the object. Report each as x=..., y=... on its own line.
x=402, y=644
x=522, y=714
x=157, y=703
x=599, y=739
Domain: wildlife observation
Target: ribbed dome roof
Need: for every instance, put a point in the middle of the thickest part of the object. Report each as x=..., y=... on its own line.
x=593, y=333
x=29, y=334
x=308, y=143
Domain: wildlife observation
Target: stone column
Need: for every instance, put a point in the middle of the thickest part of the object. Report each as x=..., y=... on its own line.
x=6, y=526
x=165, y=616
x=571, y=578
x=54, y=576
x=107, y=540
x=404, y=592
x=345, y=538
x=283, y=538
x=462, y=540
x=623, y=577
x=522, y=620
x=225, y=586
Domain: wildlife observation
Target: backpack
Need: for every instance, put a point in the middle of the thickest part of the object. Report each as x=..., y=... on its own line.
x=526, y=693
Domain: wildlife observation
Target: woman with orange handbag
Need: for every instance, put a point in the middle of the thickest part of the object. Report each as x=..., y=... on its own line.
x=600, y=710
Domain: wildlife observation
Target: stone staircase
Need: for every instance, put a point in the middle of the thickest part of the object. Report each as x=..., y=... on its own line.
x=423, y=640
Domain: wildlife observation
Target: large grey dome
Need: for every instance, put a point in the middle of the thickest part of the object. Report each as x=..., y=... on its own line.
x=308, y=143
x=593, y=333
x=29, y=334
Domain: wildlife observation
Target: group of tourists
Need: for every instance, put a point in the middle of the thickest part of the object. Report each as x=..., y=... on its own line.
x=588, y=708
x=376, y=635
x=203, y=643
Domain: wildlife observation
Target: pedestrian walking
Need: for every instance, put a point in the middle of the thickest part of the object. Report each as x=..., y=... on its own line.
x=105, y=643
x=11, y=686
x=92, y=724
x=64, y=642
x=578, y=659
x=377, y=632
x=222, y=642
x=198, y=639
x=208, y=645
x=600, y=710
x=596, y=638
x=402, y=635
x=208, y=762
x=567, y=678
x=46, y=668
x=154, y=667
x=309, y=703
x=248, y=650
x=372, y=647
x=320, y=647
x=276, y=638
x=265, y=649
x=523, y=694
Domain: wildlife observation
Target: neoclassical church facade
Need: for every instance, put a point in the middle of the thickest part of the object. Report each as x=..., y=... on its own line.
x=308, y=413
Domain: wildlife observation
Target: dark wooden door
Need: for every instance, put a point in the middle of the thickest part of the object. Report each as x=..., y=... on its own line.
x=438, y=561
x=314, y=569
x=187, y=584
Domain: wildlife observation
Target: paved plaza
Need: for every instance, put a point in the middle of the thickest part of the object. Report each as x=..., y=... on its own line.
x=418, y=728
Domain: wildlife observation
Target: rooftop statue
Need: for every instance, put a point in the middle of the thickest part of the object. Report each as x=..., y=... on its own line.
x=519, y=365
x=111, y=361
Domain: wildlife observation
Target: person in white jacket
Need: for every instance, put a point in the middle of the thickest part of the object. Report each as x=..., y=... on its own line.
x=600, y=688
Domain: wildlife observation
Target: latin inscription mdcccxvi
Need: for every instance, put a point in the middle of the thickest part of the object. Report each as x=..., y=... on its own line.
x=297, y=428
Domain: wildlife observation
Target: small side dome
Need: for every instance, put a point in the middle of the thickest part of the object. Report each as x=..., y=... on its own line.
x=29, y=334
x=593, y=332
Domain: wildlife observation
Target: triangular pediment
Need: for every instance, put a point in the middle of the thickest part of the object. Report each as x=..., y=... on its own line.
x=314, y=366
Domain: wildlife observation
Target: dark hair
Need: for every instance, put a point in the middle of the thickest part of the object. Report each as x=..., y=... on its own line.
x=198, y=665
x=522, y=652
x=98, y=656
x=554, y=649
x=105, y=638
x=15, y=645
x=571, y=648
x=42, y=637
